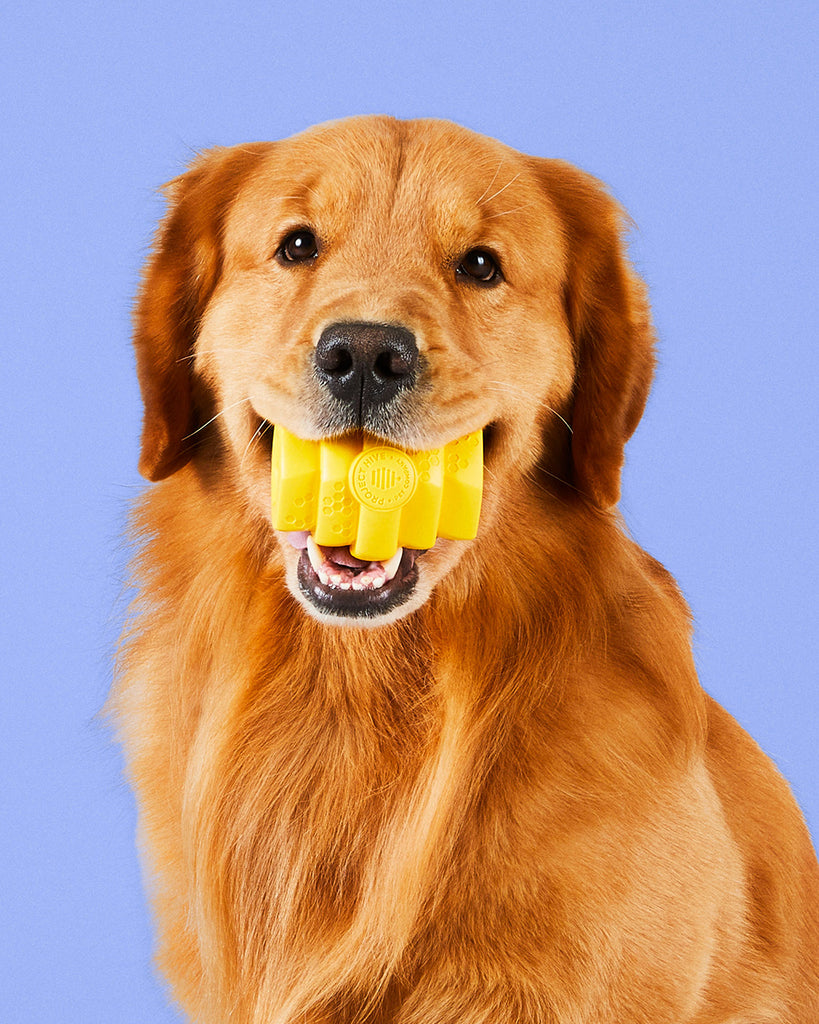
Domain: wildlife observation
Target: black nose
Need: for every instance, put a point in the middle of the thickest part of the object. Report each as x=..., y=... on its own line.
x=366, y=365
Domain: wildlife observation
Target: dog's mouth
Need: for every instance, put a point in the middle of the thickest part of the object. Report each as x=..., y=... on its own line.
x=338, y=583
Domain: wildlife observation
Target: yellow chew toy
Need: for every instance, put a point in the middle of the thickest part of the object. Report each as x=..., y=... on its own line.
x=358, y=491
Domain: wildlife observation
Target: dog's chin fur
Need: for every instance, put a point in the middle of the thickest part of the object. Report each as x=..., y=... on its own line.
x=506, y=800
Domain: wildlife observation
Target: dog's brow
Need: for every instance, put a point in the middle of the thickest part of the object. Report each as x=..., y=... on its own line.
x=302, y=185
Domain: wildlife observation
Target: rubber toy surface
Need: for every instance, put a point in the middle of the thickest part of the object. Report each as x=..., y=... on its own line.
x=358, y=491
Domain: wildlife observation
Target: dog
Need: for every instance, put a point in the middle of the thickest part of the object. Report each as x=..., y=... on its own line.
x=488, y=789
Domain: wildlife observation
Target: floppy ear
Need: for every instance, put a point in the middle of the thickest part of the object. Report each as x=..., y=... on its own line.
x=610, y=322
x=177, y=283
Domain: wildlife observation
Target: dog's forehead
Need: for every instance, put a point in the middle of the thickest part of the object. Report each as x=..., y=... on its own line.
x=428, y=177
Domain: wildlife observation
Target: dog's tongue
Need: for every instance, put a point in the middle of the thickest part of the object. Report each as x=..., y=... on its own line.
x=298, y=538
x=337, y=556
x=343, y=556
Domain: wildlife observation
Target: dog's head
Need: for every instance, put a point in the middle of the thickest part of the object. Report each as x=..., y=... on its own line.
x=410, y=280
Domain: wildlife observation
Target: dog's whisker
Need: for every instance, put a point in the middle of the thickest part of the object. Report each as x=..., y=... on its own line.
x=505, y=187
x=562, y=419
x=262, y=428
x=506, y=213
x=214, y=418
x=212, y=352
x=311, y=190
x=500, y=388
x=554, y=476
x=491, y=183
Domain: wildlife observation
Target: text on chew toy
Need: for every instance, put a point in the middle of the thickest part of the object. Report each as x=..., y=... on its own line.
x=383, y=478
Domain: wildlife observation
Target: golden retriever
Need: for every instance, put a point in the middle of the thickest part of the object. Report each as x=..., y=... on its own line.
x=492, y=790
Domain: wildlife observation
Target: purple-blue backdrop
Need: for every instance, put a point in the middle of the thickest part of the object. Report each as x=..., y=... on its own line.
x=702, y=119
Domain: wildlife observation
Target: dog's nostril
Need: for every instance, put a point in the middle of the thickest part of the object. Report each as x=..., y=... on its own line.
x=336, y=359
x=394, y=364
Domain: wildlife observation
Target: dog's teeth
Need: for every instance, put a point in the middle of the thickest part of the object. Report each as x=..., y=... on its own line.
x=315, y=556
x=391, y=567
x=375, y=577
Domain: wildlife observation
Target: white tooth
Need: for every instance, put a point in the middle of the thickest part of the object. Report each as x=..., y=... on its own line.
x=344, y=586
x=391, y=567
x=379, y=581
x=315, y=556
x=357, y=585
x=325, y=579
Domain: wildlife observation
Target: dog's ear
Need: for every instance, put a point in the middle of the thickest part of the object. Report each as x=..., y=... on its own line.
x=178, y=280
x=610, y=322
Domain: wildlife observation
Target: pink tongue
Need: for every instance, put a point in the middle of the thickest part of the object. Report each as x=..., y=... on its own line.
x=343, y=556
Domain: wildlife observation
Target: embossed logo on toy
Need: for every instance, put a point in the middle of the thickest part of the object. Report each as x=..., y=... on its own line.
x=383, y=479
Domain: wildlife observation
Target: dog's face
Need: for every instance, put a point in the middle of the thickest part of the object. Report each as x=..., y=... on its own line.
x=411, y=280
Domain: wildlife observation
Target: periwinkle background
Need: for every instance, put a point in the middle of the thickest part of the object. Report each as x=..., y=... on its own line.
x=702, y=118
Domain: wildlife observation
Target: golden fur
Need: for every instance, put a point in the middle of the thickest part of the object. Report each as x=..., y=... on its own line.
x=508, y=801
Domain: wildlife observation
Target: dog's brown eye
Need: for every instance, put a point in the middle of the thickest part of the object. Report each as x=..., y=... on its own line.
x=480, y=265
x=298, y=247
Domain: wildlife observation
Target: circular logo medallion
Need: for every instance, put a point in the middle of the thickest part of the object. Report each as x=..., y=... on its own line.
x=383, y=479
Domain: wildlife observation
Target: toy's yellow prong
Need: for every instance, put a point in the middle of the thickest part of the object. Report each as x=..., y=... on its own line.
x=463, y=487
x=419, y=523
x=373, y=497
x=377, y=539
x=337, y=519
x=295, y=468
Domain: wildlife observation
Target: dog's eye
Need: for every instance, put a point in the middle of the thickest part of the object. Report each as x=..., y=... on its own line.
x=298, y=247
x=480, y=265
